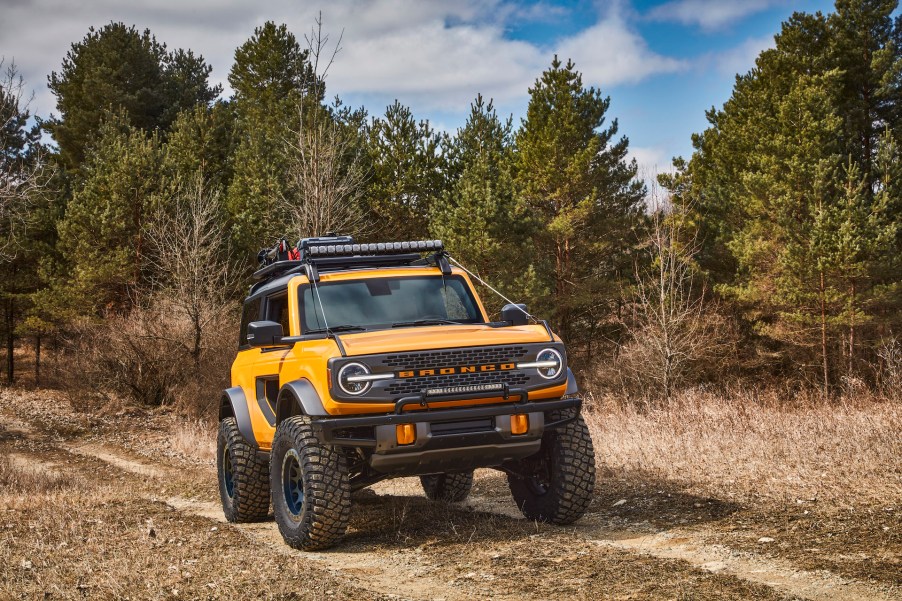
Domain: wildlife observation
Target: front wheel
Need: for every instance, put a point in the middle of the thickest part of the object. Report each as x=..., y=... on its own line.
x=311, y=494
x=556, y=484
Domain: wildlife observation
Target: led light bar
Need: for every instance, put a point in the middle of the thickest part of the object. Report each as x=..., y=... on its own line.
x=375, y=248
x=465, y=389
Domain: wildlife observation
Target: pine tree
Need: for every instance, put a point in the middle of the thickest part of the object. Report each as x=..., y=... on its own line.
x=787, y=185
x=201, y=140
x=118, y=68
x=406, y=161
x=271, y=70
x=582, y=195
x=102, y=233
x=864, y=47
x=27, y=211
x=478, y=217
x=271, y=77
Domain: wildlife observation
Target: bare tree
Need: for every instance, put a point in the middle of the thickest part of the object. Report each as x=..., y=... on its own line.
x=674, y=327
x=21, y=162
x=196, y=273
x=325, y=163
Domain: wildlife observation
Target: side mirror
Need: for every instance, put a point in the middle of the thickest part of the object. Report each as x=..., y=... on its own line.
x=264, y=333
x=515, y=314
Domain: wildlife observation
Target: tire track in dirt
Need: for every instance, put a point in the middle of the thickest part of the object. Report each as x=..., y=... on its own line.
x=404, y=575
x=690, y=546
x=774, y=573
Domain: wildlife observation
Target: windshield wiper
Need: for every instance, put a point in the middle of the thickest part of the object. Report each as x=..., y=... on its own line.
x=341, y=328
x=425, y=322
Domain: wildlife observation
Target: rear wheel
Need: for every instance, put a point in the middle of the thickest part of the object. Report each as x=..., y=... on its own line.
x=311, y=494
x=243, y=476
x=450, y=488
x=556, y=484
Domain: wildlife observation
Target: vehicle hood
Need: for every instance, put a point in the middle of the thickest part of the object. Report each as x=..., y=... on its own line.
x=439, y=337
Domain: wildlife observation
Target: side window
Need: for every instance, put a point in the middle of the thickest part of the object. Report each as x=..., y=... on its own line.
x=251, y=312
x=277, y=311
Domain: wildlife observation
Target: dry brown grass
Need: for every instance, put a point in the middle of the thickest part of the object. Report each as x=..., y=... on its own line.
x=19, y=476
x=195, y=439
x=748, y=445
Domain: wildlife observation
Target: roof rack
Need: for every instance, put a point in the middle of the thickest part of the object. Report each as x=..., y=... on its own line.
x=334, y=253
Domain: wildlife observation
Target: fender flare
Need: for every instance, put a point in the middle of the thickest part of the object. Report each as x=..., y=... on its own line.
x=298, y=397
x=234, y=404
x=572, y=386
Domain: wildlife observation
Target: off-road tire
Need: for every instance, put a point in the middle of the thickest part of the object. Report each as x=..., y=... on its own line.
x=243, y=476
x=311, y=494
x=448, y=488
x=561, y=476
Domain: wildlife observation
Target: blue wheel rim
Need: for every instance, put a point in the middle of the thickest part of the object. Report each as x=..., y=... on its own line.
x=293, y=482
x=228, y=478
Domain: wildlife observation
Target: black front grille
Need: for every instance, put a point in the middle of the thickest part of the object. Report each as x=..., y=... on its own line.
x=452, y=358
x=417, y=385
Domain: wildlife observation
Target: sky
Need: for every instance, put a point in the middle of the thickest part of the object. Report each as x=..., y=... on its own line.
x=662, y=62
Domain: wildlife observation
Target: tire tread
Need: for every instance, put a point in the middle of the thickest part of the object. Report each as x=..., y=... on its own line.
x=250, y=502
x=327, y=489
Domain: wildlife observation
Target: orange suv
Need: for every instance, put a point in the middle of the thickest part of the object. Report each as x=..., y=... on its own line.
x=361, y=362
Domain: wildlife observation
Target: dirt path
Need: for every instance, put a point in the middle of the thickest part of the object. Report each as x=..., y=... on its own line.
x=410, y=578
x=433, y=569
x=774, y=573
x=406, y=576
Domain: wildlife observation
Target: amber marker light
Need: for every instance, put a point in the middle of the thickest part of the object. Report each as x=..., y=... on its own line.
x=406, y=433
x=519, y=423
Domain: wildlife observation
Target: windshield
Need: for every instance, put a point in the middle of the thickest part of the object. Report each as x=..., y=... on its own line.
x=388, y=302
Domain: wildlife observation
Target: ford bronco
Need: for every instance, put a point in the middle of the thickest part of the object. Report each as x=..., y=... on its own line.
x=361, y=362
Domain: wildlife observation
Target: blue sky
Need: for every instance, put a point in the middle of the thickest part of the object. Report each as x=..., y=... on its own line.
x=663, y=62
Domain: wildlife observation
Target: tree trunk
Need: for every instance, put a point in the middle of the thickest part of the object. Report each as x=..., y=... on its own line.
x=826, y=365
x=197, y=341
x=37, y=361
x=10, y=340
x=852, y=331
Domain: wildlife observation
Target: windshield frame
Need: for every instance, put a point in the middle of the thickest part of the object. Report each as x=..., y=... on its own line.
x=482, y=318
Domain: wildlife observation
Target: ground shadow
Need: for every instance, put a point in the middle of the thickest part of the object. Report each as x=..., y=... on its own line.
x=637, y=497
x=406, y=519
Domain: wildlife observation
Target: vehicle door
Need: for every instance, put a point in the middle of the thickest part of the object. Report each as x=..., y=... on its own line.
x=257, y=369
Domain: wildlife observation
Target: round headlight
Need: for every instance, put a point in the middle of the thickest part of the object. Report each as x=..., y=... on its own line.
x=346, y=378
x=555, y=363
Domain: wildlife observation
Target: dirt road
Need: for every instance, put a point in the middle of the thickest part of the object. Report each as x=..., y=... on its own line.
x=96, y=510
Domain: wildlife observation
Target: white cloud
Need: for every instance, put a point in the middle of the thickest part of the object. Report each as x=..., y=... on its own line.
x=709, y=14
x=651, y=160
x=430, y=54
x=740, y=59
x=436, y=66
x=609, y=53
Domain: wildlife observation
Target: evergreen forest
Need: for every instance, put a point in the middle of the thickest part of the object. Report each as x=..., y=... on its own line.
x=131, y=217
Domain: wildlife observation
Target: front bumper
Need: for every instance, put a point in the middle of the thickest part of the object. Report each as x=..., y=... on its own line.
x=447, y=440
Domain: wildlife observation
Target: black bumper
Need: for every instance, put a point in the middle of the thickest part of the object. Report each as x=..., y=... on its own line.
x=446, y=439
